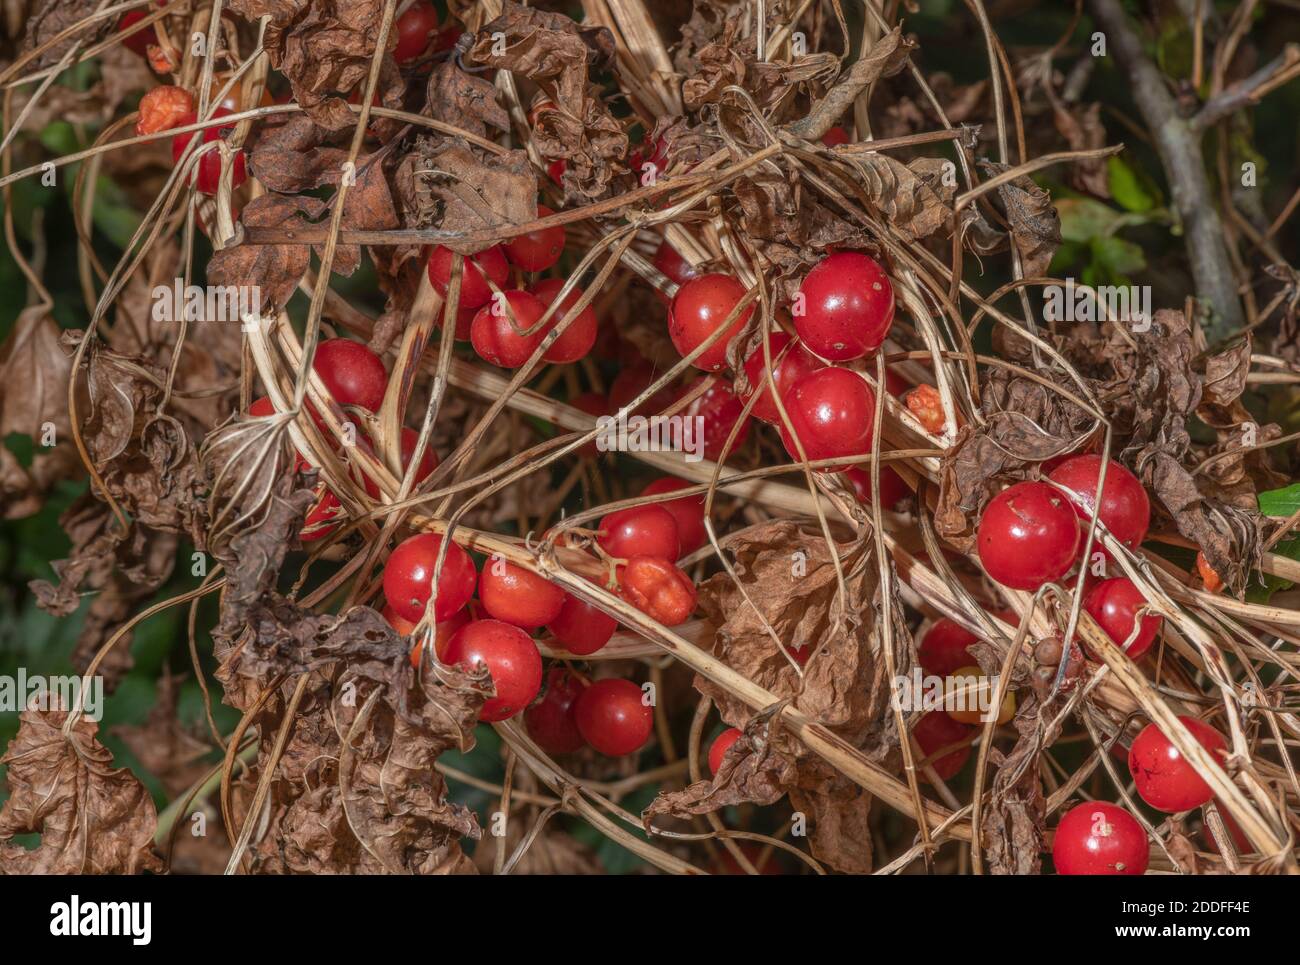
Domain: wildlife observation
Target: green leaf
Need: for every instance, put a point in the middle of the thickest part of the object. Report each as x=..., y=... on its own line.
x=113, y=213
x=1280, y=502
x=1130, y=188
x=1083, y=219
x=1119, y=257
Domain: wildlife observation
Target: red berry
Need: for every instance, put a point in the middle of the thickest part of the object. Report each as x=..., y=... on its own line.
x=442, y=632
x=943, y=649
x=209, y=166
x=537, y=250
x=580, y=627
x=323, y=517
x=139, y=41
x=848, y=307
x=935, y=731
x=413, y=30
x=474, y=289
x=720, y=410
x=613, y=718
x=658, y=589
x=640, y=531
x=699, y=309
x=795, y=364
x=1164, y=778
x=403, y=626
x=494, y=335
x=832, y=412
x=1114, y=604
x=721, y=744
x=551, y=721
x=891, y=485
x=835, y=137
x=428, y=463
x=580, y=336
x=409, y=573
x=687, y=511
x=1125, y=508
x=509, y=655
x=1096, y=838
x=464, y=320
x=353, y=374
x=517, y=596
x=1028, y=536
x=673, y=265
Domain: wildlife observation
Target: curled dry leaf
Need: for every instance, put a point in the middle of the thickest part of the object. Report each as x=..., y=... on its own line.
x=557, y=54
x=785, y=568
x=1034, y=223
x=34, y=369
x=324, y=48
x=448, y=184
x=93, y=818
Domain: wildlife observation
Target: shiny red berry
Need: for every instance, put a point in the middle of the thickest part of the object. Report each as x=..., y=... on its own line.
x=474, y=289
x=613, y=717
x=673, y=265
x=1114, y=604
x=495, y=336
x=408, y=576
x=721, y=744
x=1028, y=536
x=581, y=628
x=518, y=596
x=832, y=412
x=537, y=250
x=414, y=29
x=580, y=336
x=687, y=511
x=647, y=530
x=509, y=655
x=719, y=410
x=699, y=309
x=894, y=490
x=1096, y=838
x=353, y=374
x=935, y=731
x=835, y=137
x=848, y=307
x=793, y=365
x=550, y=720
x=209, y=166
x=943, y=649
x=1125, y=508
x=1164, y=778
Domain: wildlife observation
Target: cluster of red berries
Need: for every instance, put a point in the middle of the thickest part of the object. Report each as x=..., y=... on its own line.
x=1102, y=839
x=609, y=715
x=1032, y=533
x=354, y=376
x=502, y=324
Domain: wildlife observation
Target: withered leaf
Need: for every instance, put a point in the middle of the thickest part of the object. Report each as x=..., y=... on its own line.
x=1034, y=223
x=456, y=189
x=465, y=100
x=50, y=19
x=913, y=197
x=273, y=269
x=92, y=818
